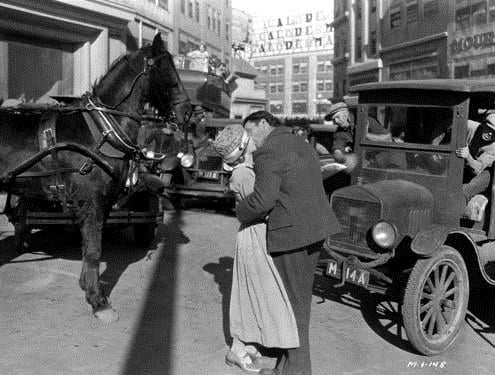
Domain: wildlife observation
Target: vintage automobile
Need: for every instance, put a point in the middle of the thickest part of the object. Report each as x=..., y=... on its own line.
x=199, y=171
x=404, y=229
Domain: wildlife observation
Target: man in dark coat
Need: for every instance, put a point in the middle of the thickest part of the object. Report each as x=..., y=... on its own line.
x=289, y=192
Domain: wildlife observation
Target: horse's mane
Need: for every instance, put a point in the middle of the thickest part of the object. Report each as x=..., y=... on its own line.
x=112, y=67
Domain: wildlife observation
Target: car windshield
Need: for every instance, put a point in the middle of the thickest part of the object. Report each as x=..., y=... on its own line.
x=406, y=124
x=425, y=132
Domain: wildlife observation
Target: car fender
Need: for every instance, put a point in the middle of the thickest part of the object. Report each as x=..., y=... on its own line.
x=427, y=240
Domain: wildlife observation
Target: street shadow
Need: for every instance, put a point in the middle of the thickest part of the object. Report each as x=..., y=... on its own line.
x=151, y=347
x=480, y=316
x=7, y=250
x=119, y=250
x=381, y=313
x=222, y=272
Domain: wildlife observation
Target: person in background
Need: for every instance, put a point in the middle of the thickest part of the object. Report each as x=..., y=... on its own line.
x=289, y=191
x=199, y=59
x=479, y=154
x=260, y=310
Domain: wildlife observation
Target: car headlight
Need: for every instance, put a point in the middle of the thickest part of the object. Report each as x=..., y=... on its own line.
x=384, y=234
x=187, y=160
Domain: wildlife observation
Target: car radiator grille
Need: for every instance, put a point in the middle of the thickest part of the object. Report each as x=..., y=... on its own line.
x=212, y=163
x=356, y=217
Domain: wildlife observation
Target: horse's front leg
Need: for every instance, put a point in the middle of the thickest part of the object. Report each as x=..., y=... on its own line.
x=91, y=227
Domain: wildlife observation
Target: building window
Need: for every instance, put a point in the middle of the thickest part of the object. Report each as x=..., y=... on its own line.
x=219, y=25
x=373, y=6
x=478, y=10
x=190, y=8
x=395, y=16
x=273, y=70
x=320, y=85
x=421, y=68
x=163, y=4
x=462, y=15
x=273, y=88
x=214, y=20
x=373, y=43
x=183, y=6
x=280, y=87
x=358, y=48
x=276, y=107
x=295, y=87
x=320, y=68
x=491, y=10
x=490, y=68
x=430, y=8
x=295, y=68
x=328, y=85
x=461, y=71
x=304, y=68
x=263, y=69
x=280, y=69
x=412, y=11
x=328, y=66
x=209, y=18
x=227, y=31
x=299, y=107
x=196, y=4
x=478, y=72
x=303, y=86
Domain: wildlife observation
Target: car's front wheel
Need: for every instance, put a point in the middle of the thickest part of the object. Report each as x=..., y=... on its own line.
x=435, y=301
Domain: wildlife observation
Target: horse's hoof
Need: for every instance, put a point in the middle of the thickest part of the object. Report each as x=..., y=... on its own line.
x=107, y=315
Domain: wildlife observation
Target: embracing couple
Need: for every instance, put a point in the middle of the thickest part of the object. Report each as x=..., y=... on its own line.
x=285, y=216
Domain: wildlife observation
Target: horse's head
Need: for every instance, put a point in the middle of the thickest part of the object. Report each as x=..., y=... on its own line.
x=147, y=75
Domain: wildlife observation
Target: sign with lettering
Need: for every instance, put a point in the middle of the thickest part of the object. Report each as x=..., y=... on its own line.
x=293, y=34
x=477, y=41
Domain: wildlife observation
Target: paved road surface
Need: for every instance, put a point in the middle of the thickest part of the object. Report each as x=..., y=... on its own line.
x=172, y=300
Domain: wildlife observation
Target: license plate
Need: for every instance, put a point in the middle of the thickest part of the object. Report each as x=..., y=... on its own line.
x=208, y=175
x=350, y=274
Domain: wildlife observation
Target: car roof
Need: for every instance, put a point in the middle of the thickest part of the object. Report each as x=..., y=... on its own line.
x=453, y=85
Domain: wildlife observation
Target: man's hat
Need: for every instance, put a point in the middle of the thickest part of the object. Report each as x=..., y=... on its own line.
x=231, y=143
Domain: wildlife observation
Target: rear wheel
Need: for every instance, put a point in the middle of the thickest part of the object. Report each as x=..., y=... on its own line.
x=435, y=301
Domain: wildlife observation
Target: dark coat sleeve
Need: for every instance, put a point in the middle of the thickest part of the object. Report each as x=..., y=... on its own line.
x=266, y=188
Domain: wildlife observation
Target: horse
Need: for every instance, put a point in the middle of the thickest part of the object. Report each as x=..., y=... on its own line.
x=77, y=157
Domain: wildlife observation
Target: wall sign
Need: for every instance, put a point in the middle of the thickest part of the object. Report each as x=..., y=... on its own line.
x=477, y=41
x=302, y=33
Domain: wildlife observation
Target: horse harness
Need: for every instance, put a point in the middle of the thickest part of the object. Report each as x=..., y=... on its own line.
x=111, y=142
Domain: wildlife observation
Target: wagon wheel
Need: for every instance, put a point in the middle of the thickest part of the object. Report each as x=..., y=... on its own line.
x=22, y=231
x=144, y=233
x=435, y=301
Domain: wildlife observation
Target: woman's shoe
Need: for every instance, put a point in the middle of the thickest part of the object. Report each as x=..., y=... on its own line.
x=245, y=362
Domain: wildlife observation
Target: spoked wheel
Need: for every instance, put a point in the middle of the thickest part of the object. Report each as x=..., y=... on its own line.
x=435, y=301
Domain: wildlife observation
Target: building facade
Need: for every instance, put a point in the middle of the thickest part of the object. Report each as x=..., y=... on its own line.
x=61, y=47
x=412, y=39
x=293, y=55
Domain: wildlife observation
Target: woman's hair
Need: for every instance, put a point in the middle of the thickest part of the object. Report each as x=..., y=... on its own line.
x=260, y=115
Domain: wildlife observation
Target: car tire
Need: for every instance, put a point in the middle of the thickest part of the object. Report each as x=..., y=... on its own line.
x=435, y=301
